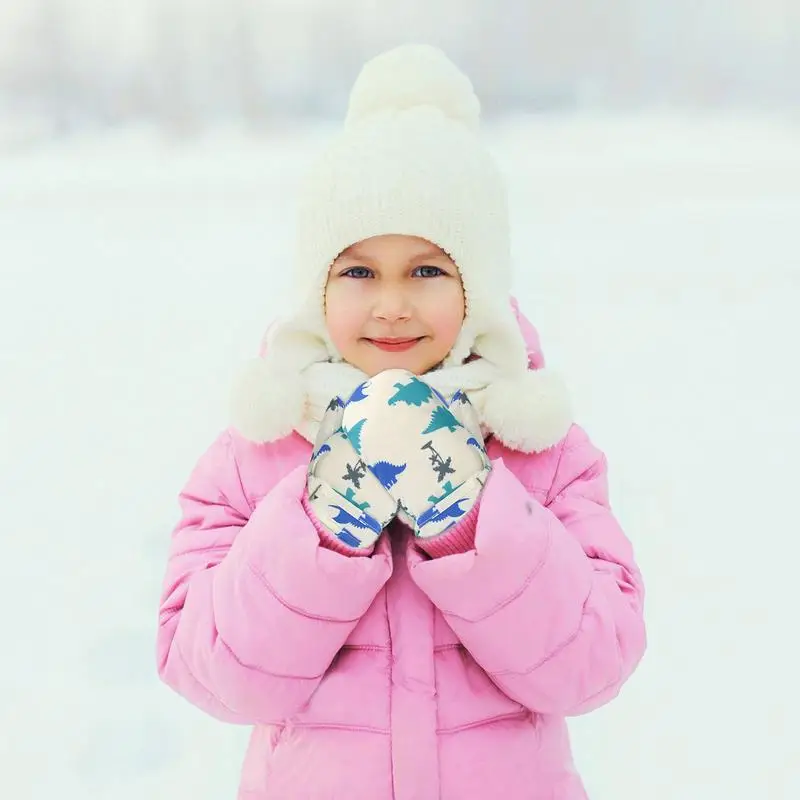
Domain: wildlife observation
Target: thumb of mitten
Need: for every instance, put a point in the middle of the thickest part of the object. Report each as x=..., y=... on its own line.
x=330, y=423
x=462, y=409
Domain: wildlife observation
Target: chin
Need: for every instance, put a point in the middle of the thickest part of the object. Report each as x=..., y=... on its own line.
x=412, y=365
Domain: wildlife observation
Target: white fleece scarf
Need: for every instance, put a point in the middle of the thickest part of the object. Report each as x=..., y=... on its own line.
x=325, y=380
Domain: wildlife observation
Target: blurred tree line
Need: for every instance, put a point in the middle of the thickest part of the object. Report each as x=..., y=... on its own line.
x=188, y=63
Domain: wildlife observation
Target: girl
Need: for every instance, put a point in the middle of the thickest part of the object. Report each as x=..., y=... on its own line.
x=399, y=563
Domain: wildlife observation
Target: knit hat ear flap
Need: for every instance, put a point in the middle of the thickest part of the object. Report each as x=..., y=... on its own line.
x=268, y=395
x=530, y=412
x=266, y=402
x=490, y=330
x=528, y=409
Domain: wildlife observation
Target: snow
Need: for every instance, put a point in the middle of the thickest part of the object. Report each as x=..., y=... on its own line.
x=658, y=255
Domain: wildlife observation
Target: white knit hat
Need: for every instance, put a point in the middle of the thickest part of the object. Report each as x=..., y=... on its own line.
x=409, y=160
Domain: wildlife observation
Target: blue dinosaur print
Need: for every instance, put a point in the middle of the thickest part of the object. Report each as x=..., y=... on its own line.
x=433, y=514
x=413, y=393
x=325, y=448
x=474, y=442
x=387, y=473
x=359, y=394
x=344, y=517
x=442, y=418
x=460, y=397
x=335, y=403
x=354, y=435
x=348, y=538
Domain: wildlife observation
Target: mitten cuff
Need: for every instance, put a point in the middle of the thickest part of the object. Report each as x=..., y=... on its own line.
x=327, y=539
x=458, y=539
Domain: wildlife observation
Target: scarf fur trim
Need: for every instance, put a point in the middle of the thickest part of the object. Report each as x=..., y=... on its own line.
x=529, y=412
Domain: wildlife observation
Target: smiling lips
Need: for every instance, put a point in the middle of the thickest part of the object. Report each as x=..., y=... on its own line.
x=395, y=345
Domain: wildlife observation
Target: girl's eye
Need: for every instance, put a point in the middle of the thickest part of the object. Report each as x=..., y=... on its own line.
x=357, y=272
x=364, y=272
x=430, y=272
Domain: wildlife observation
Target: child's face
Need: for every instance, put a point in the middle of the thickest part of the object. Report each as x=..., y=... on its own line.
x=394, y=287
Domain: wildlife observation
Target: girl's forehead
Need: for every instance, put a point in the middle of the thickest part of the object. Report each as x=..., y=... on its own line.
x=411, y=246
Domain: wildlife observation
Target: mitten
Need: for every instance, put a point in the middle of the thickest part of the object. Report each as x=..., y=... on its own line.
x=344, y=495
x=426, y=451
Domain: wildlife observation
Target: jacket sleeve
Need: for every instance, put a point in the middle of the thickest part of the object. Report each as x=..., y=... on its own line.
x=253, y=608
x=550, y=601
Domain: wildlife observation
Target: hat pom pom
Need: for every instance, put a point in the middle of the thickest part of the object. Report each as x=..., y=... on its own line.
x=529, y=413
x=410, y=76
x=267, y=402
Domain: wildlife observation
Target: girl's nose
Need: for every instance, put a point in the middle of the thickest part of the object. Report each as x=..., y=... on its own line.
x=392, y=305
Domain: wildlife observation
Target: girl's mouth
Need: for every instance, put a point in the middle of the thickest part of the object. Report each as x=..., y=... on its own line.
x=395, y=345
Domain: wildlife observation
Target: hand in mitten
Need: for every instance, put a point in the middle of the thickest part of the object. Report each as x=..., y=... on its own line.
x=344, y=495
x=426, y=451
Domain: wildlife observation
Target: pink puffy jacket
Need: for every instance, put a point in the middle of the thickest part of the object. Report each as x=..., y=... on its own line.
x=401, y=674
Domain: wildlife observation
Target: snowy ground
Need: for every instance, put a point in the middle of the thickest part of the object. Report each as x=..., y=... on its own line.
x=660, y=258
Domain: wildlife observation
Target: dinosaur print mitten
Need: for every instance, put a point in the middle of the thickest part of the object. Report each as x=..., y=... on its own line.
x=344, y=495
x=427, y=451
